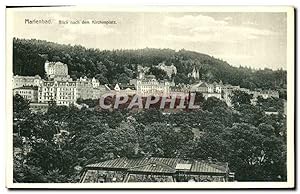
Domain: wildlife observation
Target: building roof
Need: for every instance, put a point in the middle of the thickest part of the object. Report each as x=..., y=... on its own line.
x=121, y=163
x=203, y=85
x=121, y=86
x=200, y=84
x=153, y=167
x=150, y=76
x=126, y=87
x=162, y=165
x=53, y=63
x=27, y=77
x=26, y=88
x=209, y=167
x=183, y=166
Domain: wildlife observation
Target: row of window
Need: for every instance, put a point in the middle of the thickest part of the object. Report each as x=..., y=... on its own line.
x=66, y=103
x=66, y=94
x=59, y=84
x=67, y=98
x=28, y=97
x=152, y=87
x=67, y=89
x=24, y=92
x=60, y=98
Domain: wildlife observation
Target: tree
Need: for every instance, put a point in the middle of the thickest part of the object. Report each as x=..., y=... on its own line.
x=240, y=97
x=181, y=78
x=20, y=106
x=213, y=102
x=111, y=64
x=123, y=78
x=66, y=137
x=250, y=114
x=159, y=140
x=271, y=104
x=150, y=116
x=158, y=73
x=102, y=79
x=253, y=155
x=210, y=145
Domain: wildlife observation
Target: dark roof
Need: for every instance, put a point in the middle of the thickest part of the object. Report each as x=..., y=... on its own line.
x=28, y=87
x=161, y=165
x=209, y=167
x=203, y=84
x=116, y=163
x=153, y=167
x=122, y=86
x=150, y=76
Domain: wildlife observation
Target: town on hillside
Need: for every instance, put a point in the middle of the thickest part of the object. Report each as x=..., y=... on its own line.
x=182, y=158
x=169, y=97
x=59, y=88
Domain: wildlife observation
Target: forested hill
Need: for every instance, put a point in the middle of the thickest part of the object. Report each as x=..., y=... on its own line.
x=112, y=66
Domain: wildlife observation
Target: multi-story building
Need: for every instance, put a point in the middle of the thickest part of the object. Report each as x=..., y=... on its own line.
x=269, y=94
x=263, y=94
x=58, y=86
x=89, y=88
x=180, y=90
x=95, y=83
x=84, y=87
x=56, y=69
x=169, y=69
x=66, y=93
x=38, y=107
x=150, y=86
x=61, y=89
x=19, y=81
x=29, y=93
x=208, y=90
x=60, y=92
x=200, y=87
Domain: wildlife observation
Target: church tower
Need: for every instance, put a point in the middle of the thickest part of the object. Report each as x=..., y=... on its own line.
x=195, y=73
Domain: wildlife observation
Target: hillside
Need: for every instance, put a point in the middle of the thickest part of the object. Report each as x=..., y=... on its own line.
x=112, y=66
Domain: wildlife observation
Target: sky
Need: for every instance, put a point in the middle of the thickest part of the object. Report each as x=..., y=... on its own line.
x=253, y=39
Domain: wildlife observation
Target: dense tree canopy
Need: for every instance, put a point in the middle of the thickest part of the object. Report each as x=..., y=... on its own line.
x=56, y=144
x=121, y=65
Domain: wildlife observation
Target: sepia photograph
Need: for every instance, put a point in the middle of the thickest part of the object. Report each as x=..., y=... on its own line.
x=150, y=97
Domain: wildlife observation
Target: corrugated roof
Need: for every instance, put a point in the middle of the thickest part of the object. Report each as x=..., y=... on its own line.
x=116, y=163
x=161, y=165
x=208, y=167
x=153, y=167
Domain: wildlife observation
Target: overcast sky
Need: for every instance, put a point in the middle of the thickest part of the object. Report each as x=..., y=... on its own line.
x=249, y=39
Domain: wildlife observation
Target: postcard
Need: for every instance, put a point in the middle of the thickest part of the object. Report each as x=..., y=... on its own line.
x=153, y=97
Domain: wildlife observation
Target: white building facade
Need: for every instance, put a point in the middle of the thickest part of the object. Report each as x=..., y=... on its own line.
x=58, y=87
x=150, y=86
